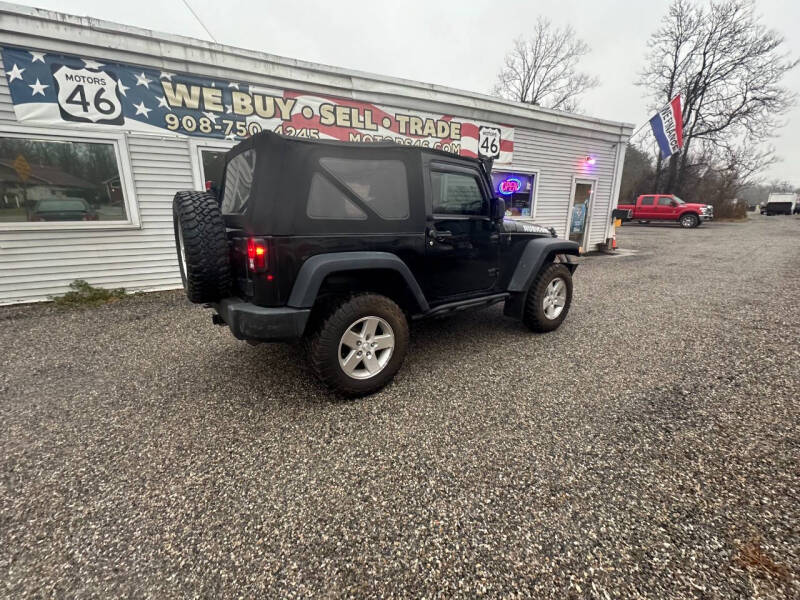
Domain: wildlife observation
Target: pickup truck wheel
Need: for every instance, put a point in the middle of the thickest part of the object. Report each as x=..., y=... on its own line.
x=688, y=221
x=202, y=246
x=549, y=298
x=360, y=346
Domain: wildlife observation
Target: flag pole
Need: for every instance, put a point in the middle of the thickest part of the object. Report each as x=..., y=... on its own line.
x=646, y=123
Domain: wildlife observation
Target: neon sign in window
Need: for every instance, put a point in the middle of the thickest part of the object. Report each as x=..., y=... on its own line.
x=509, y=186
x=517, y=191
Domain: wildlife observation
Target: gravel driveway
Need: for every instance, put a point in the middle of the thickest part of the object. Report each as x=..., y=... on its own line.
x=650, y=447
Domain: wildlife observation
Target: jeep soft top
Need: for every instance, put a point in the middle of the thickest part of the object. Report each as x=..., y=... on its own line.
x=342, y=244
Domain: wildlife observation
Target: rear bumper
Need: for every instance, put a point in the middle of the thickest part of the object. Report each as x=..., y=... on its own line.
x=259, y=323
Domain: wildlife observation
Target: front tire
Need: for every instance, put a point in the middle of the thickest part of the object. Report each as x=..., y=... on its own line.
x=361, y=344
x=549, y=299
x=689, y=221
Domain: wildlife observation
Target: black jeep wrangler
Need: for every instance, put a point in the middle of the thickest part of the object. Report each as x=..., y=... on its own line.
x=342, y=244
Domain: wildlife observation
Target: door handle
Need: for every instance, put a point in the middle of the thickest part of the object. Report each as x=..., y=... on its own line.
x=440, y=235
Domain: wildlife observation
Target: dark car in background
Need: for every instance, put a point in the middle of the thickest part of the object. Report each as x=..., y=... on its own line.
x=63, y=209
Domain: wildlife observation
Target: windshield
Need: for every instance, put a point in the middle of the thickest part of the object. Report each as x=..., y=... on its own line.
x=678, y=200
x=57, y=204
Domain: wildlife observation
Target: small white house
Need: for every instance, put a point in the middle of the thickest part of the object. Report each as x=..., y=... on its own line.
x=100, y=125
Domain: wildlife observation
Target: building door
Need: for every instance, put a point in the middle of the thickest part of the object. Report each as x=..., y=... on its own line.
x=580, y=208
x=208, y=163
x=463, y=244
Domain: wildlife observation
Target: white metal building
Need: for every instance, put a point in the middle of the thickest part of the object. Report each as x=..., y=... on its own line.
x=100, y=125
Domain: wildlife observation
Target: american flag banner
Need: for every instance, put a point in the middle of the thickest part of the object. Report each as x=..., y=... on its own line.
x=667, y=125
x=63, y=90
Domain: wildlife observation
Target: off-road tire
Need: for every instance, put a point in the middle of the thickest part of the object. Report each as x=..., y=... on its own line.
x=534, y=316
x=197, y=220
x=323, y=340
x=689, y=221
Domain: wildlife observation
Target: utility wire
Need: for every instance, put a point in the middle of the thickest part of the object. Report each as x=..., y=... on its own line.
x=194, y=14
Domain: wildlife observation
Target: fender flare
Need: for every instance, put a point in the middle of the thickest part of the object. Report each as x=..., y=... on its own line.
x=533, y=257
x=530, y=263
x=314, y=271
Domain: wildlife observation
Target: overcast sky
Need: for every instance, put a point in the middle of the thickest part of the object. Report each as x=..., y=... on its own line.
x=458, y=43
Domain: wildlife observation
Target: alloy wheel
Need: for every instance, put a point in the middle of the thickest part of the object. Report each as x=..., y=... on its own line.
x=555, y=298
x=366, y=347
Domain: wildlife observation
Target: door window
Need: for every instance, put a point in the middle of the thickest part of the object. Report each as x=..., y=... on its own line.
x=580, y=212
x=648, y=200
x=457, y=194
x=665, y=201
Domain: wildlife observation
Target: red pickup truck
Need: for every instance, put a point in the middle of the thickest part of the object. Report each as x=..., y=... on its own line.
x=667, y=207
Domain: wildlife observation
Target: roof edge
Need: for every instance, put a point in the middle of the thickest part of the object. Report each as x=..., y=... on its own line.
x=456, y=96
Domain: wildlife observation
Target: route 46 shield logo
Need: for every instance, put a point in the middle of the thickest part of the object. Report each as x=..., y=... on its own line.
x=489, y=142
x=88, y=95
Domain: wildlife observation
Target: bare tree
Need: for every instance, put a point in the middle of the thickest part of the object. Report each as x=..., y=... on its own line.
x=637, y=175
x=728, y=68
x=542, y=68
x=778, y=186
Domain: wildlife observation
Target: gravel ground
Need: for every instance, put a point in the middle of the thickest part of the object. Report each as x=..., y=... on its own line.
x=648, y=448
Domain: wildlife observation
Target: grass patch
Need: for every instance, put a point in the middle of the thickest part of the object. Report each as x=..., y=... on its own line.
x=83, y=294
x=752, y=557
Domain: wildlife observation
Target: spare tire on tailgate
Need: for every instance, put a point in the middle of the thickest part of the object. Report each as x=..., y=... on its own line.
x=202, y=246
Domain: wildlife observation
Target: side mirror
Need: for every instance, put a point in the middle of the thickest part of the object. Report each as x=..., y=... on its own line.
x=673, y=203
x=498, y=209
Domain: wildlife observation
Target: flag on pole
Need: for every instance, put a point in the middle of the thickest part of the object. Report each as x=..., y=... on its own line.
x=667, y=126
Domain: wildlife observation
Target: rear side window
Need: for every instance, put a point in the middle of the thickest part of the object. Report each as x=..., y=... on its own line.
x=380, y=184
x=456, y=194
x=648, y=200
x=326, y=201
x=238, y=181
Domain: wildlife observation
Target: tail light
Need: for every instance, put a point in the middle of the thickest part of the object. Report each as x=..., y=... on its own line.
x=257, y=255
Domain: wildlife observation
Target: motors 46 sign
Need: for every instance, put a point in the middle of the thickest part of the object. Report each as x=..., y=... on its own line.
x=87, y=95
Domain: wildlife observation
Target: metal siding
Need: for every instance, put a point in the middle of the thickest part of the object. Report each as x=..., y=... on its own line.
x=35, y=265
x=558, y=158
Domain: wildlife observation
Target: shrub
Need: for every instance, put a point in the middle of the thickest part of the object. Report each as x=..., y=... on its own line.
x=82, y=293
